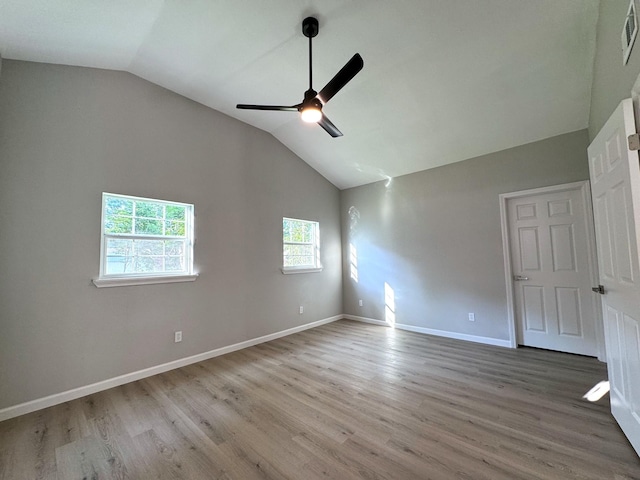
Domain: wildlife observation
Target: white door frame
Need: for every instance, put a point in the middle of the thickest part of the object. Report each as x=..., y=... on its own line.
x=585, y=191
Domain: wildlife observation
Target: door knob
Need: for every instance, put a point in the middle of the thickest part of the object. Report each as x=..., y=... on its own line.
x=520, y=278
x=599, y=289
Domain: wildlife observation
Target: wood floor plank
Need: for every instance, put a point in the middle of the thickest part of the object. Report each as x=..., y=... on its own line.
x=343, y=401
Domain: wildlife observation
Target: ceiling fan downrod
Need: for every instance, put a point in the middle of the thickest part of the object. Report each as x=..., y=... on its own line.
x=310, y=29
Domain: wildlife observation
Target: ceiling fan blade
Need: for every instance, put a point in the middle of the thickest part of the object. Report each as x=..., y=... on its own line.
x=280, y=108
x=329, y=127
x=351, y=68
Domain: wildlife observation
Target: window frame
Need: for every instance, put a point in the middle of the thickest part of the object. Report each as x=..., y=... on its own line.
x=141, y=278
x=315, y=243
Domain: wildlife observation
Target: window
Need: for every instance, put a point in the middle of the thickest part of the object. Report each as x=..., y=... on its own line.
x=629, y=32
x=145, y=241
x=301, y=246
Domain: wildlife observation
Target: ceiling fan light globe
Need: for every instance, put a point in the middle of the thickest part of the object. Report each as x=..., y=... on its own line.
x=311, y=115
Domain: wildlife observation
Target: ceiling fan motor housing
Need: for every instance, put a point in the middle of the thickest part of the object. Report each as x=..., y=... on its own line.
x=310, y=100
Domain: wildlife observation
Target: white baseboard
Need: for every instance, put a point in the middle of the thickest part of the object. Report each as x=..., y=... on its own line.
x=458, y=336
x=366, y=320
x=57, y=398
x=439, y=333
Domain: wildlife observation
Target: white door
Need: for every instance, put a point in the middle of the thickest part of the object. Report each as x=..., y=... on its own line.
x=552, y=263
x=615, y=179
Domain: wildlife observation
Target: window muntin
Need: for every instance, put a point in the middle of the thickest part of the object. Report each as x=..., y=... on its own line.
x=143, y=237
x=301, y=244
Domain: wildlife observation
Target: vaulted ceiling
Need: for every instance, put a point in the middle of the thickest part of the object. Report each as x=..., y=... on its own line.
x=443, y=81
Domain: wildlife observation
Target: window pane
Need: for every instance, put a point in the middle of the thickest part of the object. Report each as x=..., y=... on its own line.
x=175, y=212
x=118, y=206
x=149, y=247
x=148, y=227
x=119, y=247
x=303, y=261
x=119, y=256
x=117, y=224
x=298, y=255
x=307, y=261
x=308, y=232
x=174, y=264
x=175, y=228
x=144, y=256
x=298, y=250
x=286, y=230
x=297, y=233
x=298, y=230
x=174, y=247
x=149, y=264
x=119, y=264
x=149, y=210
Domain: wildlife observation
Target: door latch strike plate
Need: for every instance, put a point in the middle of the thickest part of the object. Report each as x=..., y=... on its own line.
x=634, y=141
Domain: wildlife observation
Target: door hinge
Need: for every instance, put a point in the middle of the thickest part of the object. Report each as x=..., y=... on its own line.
x=634, y=141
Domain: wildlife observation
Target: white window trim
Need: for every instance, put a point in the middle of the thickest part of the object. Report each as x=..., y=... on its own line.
x=305, y=268
x=148, y=280
x=294, y=270
x=104, y=280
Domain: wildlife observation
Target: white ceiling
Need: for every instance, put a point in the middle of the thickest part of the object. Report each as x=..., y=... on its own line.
x=443, y=81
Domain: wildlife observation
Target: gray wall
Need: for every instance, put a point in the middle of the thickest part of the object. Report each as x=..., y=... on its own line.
x=612, y=81
x=435, y=236
x=66, y=135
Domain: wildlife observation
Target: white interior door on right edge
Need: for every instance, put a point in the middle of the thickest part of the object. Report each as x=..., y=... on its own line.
x=615, y=188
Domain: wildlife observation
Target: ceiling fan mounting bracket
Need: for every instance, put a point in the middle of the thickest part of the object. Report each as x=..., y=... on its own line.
x=310, y=27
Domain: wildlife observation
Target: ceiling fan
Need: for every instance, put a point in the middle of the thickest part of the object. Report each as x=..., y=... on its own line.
x=311, y=107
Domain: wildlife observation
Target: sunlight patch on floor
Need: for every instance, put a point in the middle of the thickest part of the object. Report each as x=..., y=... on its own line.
x=598, y=391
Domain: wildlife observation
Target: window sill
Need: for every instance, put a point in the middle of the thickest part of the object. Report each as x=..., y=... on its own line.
x=291, y=271
x=128, y=281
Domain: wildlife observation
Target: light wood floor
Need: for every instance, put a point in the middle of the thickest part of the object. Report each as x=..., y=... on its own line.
x=343, y=401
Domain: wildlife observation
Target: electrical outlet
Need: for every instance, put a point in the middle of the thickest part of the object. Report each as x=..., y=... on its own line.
x=177, y=336
x=472, y=317
x=301, y=309
x=360, y=302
